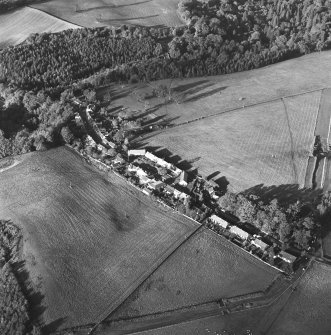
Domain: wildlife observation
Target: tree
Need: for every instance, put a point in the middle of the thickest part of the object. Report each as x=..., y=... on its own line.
x=67, y=135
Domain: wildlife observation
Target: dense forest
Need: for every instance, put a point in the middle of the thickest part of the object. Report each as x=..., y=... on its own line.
x=14, y=306
x=220, y=37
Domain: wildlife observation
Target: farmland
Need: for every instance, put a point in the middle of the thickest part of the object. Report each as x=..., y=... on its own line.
x=206, y=268
x=266, y=144
x=91, y=239
x=205, y=96
x=308, y=310
x=99, y=13
x=17, y=25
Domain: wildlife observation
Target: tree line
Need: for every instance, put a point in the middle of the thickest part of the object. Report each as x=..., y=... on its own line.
x=14, y=306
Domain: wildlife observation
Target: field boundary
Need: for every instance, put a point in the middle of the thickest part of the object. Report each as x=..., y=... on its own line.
x=56, y=17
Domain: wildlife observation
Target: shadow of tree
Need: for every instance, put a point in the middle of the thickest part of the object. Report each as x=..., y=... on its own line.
x=285, y=194
x=111, y=6
x=35, y=300
x=205, y=94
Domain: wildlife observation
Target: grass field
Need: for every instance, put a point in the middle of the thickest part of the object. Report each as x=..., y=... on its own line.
x=17, y=25
x=233, y=324
x=97, y=13
x=308, y=309
x=206, y=268
x=91, y=239
x=211, y=95
x=265, y=144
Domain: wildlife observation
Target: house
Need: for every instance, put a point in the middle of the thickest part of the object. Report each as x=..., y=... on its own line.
x=239, y=232
x=156, y=185
x=183, y=196
x=157, y=160
x=143, y=180
x=169, y=189
x=219, y=221
x=286, y=257
x=77, y=117
x=183, y=178
x=260, y=244
x=137, y=152
x=118, y=160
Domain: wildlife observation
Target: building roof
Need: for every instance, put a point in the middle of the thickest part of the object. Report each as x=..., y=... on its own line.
x=260, y=244
x=183, y=177
x=156, y=184
x=145, y=180
x=239, y=232
x=137, y=152
x=170, y=189
x=286, y=257
x=219, y=221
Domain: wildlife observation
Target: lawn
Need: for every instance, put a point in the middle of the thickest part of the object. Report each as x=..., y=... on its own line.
x=91, y=239
x=17, y=25
x=98, y=13
x=308, y=310
x=205, y=268
x=265, y=144
x=199, y=97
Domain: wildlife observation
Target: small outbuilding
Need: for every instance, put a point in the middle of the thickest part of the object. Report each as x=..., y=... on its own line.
x=260, y=244
x=286, y=257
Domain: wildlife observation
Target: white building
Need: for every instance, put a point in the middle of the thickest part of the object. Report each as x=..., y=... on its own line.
x=219, y=221
x=157, y=160
x=286, y=257
x=137, y=152
x=260, y=244
x=183, y=178
x=239, y=232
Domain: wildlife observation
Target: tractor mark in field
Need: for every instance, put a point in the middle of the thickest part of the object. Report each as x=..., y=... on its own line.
x=292, y=142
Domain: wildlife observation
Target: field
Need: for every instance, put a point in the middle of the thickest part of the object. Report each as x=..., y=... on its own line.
x=97, y=13
x=308, y=310
x=238, y=323
x=91, y=239
x=266, y=144
x=17, y=25
x=205, y=96
x=206, y=268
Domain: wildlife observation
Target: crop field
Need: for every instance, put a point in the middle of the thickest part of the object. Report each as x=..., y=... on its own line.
x=265, y=144
x=308, y=310
x=200, y=97
x=98, y=13
x=16, y=26
x=205, y=268
x=92, y=239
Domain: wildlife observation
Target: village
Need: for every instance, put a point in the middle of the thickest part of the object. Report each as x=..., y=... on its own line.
x=192, y=196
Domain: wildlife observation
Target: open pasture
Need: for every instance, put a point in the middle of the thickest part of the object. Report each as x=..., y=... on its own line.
x=92, y=239
x=266, y=144
x=308, y=309
x=16, y=26
x=97, y=13
x=205, y=268
x=203, y=96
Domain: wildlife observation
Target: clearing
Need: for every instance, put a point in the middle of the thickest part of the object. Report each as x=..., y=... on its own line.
x=17, y=25
x=97, y=13
x=308, y=310
x=205, y=268
x=92, y=239
x=266, y=144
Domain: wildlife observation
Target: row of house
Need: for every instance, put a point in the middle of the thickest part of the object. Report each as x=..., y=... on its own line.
x=285, y=256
